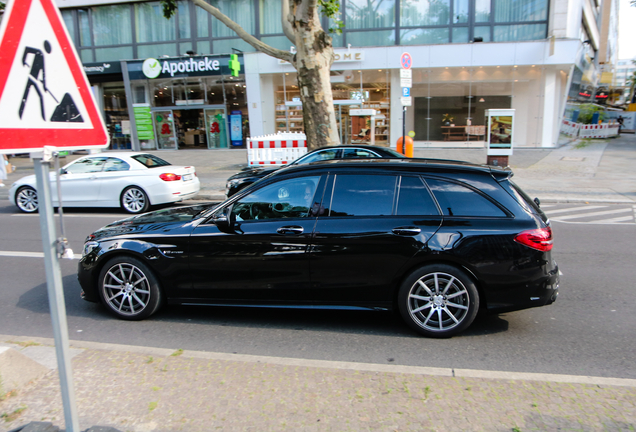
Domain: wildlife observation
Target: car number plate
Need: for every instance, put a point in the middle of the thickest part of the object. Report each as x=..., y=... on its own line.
x=187, y=177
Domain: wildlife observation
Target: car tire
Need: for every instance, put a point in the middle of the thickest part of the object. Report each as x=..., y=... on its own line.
x=26, y=198
x=134, y=200
x=438, y=300
x=129, y=289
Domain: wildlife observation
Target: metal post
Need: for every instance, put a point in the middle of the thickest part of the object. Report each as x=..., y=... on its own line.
x=404, y=130
x=56, y=294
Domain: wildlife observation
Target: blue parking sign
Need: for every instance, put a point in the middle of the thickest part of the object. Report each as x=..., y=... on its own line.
x=406, y=91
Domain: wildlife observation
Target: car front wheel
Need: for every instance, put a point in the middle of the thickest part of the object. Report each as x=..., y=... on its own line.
x=27, y=199
x=134, y=200
x=438, y=300
x=129, y=289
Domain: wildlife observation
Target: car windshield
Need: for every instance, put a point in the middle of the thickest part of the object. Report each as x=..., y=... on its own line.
x=150, y=161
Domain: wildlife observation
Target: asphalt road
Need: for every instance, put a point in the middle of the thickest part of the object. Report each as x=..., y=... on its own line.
x=588, y=331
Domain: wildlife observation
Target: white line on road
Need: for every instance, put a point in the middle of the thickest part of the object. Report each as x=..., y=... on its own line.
x=602, y=213
x=571, y=209
x=18, y=254
x=67, y=215
x=618, y=219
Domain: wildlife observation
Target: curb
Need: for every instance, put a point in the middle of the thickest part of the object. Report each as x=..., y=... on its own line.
x=340, y=365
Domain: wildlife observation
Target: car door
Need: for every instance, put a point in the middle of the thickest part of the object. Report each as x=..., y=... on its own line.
x=262, y=255
x=114, y=178
x=81, y=181
x=369, y=226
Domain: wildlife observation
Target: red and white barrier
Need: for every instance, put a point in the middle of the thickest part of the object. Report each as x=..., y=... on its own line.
x=279, y=149
x=570, y=129
x=598, y=130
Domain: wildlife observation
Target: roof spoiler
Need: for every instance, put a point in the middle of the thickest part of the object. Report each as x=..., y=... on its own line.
x=501, y=173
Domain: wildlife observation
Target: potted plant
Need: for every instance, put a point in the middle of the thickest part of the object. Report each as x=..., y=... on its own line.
x=447, y=119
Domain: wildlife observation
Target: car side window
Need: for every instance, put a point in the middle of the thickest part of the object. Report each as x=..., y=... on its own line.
x=458, y=200
x=87, y=165
x=358, y=154
x=362, y=195
x=414, y=198
x=291, y=198
x=327, y=154
x=116, y=164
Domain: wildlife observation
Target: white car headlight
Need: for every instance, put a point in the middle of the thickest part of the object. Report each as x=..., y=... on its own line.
x=88, y=247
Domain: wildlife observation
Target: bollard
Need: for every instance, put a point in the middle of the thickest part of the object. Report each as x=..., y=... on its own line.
x=408, y=150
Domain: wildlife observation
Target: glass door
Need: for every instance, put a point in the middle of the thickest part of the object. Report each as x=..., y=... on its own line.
x=165, y=129
x=216, y=127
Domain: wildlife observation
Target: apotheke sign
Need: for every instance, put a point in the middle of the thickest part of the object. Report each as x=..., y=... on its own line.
x=152, y=68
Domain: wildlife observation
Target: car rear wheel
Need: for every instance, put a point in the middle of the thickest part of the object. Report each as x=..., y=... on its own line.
x=438, y=300
x=128, y=289
x=27, y=199
x=134, y=200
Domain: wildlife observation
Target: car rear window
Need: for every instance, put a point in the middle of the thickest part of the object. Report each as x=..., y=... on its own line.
x=458, y=200
x=150, y=161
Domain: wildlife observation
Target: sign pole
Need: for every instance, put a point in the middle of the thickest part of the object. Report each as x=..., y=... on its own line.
x=55, y=293
x=404, y=130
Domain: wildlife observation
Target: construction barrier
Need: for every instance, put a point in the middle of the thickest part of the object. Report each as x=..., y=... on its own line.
x=570, y=129
x=278, y=149
x=598, y=130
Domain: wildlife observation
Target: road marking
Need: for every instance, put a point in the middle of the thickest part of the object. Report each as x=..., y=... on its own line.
x=18, y=254
x=66, y=215
x=618, y=219
x=571, y=209
x=602, y=213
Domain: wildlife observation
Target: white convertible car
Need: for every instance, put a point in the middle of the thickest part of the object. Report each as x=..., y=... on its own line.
x=132, y=181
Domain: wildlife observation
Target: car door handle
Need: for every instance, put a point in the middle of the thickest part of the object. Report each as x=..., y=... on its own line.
x=290, y=230
x=406, y=231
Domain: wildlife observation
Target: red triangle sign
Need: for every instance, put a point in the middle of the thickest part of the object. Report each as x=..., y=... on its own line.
x=45, y=98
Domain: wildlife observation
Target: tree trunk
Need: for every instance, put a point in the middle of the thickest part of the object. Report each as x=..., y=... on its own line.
x=313, y=62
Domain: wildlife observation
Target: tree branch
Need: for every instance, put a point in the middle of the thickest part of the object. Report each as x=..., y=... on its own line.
x=260, y=46
x=287, y=27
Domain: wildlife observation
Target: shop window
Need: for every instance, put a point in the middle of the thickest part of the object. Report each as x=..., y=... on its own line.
x=270, y=19
x=113, y=54
x=239, y=11
x=424, y=12
x=460, y=11
x=460, y=34
x=522, y=32
x=151, y=25
x=84, y=27
x=139, y=94
x=184, y=19
x=482, y=11
x=521, y=10
x=368, y=14
x=111, y=25
x=117, y=117
x=157, y=50
x=67, y=16
x=372, y=38
x=424, y=36
x=226, y=46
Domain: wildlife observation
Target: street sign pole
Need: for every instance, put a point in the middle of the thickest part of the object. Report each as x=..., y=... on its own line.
x=55, y=292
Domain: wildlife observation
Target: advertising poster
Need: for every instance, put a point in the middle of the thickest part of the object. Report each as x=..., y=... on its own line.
x=500, y=132
x=236, y=128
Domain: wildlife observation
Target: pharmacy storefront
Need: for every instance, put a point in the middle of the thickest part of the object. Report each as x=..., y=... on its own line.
x=188, y=102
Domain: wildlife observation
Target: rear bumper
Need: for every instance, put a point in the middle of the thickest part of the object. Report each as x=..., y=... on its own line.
x=175, y=192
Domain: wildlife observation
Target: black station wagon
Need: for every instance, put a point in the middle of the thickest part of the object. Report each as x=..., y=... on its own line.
x=435, y=240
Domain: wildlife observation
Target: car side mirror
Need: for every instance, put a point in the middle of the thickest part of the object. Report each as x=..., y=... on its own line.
x=224, y=219
x=63, y=171
x=537, y=202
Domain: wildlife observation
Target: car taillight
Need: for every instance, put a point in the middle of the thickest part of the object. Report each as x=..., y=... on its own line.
x=169, y=177
x=539, y=239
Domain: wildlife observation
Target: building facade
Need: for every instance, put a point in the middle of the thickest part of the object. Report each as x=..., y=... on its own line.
x=538, y=57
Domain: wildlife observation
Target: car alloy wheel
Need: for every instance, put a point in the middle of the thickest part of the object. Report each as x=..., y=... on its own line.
x=27, y=199
x=438, y=301
x=129, y=289
x=134, y=200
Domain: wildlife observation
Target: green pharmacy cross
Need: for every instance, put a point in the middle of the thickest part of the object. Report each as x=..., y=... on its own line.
x=234, y=65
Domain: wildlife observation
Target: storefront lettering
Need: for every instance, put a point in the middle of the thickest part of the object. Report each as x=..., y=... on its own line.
x=348, y=56
x=190, y=65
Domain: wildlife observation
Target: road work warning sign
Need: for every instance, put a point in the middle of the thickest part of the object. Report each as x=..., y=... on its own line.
x=45, y=98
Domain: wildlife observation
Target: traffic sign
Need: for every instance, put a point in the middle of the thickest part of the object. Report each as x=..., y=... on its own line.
x=406, y=73
x=406, y=91
x=406, y=61
x=406, y=100
x=45, y=98
x=406, y=82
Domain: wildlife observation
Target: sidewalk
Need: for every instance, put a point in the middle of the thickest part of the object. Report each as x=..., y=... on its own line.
x=598, y=171
x=142, y=389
